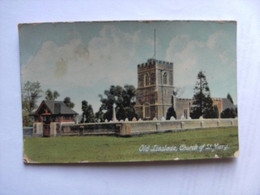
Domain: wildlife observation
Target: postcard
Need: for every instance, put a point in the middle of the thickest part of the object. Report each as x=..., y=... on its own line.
x=128, y=91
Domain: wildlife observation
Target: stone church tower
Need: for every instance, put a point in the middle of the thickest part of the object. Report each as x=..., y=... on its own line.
x=154, y=95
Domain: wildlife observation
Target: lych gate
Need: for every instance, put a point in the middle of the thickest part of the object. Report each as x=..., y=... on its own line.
x=50, y=116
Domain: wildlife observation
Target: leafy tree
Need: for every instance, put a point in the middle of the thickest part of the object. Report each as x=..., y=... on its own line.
x=87, y=115
x=229, y=113
x=31, y=92
x=51, y=95
x=99, y=115
x=171, y=112
x=123, y=98
x=68, y=102
x=27, y=119
x=215, y=112
x=202, y=104
x=230, y=98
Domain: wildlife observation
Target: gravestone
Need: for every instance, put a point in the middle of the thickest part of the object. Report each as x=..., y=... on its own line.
x=172, y=118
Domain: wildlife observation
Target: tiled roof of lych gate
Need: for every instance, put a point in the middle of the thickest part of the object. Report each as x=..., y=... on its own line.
x=58, y=107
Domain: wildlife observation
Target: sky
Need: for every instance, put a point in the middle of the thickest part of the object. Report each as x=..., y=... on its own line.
x=80, y=60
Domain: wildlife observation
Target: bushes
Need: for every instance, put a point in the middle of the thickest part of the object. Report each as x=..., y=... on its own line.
x=229, y=113
x=171, y=112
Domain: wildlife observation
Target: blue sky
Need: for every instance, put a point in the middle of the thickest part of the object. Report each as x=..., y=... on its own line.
x=81, y=60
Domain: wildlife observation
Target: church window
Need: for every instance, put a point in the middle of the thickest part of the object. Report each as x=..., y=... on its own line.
x=146, y=79
x=165, y=79
x=146, y=111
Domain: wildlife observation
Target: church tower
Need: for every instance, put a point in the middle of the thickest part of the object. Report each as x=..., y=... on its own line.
x=154, y=95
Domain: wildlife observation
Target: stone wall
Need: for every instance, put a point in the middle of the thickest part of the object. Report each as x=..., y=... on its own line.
x=37, y=129
x=129, y=128
x=106, y=128
x=55, y=128
x=142, y=127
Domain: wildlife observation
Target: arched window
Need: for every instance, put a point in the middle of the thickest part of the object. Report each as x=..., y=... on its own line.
x=146, y=110
x=165, y=78
x=146, y=79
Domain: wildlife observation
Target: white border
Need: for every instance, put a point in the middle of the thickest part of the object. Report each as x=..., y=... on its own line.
x=240, y=176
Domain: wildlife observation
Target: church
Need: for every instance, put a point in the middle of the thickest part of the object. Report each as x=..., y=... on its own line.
x=155, y=92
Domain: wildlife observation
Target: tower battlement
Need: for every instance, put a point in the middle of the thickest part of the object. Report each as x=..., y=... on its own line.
x=151, y=62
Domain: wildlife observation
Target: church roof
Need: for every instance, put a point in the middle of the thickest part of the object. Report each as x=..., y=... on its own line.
x=227, y=104
x=58, y=108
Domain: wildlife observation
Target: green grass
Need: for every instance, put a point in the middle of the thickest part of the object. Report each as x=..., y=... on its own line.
x=119, y=149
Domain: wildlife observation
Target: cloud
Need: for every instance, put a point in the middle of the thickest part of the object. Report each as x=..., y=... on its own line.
x=105, y=58
x=213, y=55
x=183, y=52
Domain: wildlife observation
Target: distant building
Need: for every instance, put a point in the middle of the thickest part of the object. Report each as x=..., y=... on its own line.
x=50, y=116
x=223, y=104
x=155, y=93
x=183, y=106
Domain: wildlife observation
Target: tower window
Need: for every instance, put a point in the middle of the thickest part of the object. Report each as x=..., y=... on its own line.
x=146, y=110
x=146, y=79
x=165, y=79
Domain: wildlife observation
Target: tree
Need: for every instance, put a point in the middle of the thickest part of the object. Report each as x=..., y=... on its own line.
x=99, y=115
x=230, y=98
x=171, y=112
x=68, y=102
x=31, y=92
x=229, y=113
x=87, y=115
x=127, y=104
x=215, y=113
x=202, y=104
x=51, y=95
x=124, y=100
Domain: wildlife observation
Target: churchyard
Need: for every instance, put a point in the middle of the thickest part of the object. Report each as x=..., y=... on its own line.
x=191, y=144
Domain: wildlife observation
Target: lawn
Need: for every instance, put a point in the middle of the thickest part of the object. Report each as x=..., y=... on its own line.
x=196, y=144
